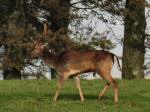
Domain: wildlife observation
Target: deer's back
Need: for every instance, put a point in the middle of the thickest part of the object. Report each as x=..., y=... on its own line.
x=84, y=61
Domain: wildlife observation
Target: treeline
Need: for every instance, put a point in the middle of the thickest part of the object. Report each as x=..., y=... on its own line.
x=21, y=21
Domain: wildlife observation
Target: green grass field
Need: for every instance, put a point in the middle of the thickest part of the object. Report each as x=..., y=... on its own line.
x=37, y=95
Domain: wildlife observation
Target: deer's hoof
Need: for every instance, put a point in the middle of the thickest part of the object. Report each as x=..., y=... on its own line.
x=82, y=100
x=54, y=100
x=100, y=97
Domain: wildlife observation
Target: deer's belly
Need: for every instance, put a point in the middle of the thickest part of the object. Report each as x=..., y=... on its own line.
x=80, y=68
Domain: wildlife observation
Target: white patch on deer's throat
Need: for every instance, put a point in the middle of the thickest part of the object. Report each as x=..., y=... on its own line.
x=50, y=50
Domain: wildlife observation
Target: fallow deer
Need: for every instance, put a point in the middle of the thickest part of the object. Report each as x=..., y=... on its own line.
x=72, y=63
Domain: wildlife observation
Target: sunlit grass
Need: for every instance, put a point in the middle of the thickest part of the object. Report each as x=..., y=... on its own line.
x=37, y=95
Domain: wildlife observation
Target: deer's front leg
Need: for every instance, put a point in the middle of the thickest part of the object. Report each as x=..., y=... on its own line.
x=60, y=83
x=77, y=84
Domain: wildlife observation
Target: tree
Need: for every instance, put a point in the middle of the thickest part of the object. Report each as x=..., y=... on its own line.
x=17, y=24
x=7, y=11
x=13, y=36
x=134, y=37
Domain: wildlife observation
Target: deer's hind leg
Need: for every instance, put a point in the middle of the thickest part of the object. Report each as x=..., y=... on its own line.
x=102, y=93
x=104, y=72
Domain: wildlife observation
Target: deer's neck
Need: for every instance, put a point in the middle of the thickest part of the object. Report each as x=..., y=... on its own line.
x=49, y=58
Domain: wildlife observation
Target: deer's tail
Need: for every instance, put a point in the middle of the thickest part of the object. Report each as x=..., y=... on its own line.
x=118, y=62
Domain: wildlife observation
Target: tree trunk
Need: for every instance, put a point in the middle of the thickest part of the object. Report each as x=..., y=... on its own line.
x=134, y=36
x=11, y=73
x=14, y=56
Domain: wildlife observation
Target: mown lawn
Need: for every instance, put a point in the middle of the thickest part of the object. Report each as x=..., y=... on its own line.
x=37, y=95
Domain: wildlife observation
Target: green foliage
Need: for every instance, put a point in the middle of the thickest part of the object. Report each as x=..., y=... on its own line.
x=103, y=43
x=37, y=95
x=19, y=23
x=6, y=8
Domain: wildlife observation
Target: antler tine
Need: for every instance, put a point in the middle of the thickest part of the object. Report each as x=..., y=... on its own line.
x=45, y=30
x=41, y=37
x=48, y=33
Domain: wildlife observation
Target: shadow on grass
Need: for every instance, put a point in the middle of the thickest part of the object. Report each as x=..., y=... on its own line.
x=76, y=97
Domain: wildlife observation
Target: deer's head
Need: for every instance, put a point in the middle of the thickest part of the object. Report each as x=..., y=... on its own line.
x=39, y=46
x=38, y=49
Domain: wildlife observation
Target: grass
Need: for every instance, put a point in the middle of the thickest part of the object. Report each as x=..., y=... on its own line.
x=37, y=95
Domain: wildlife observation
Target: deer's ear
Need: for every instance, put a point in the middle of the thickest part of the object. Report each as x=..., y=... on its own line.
x=44, y=45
